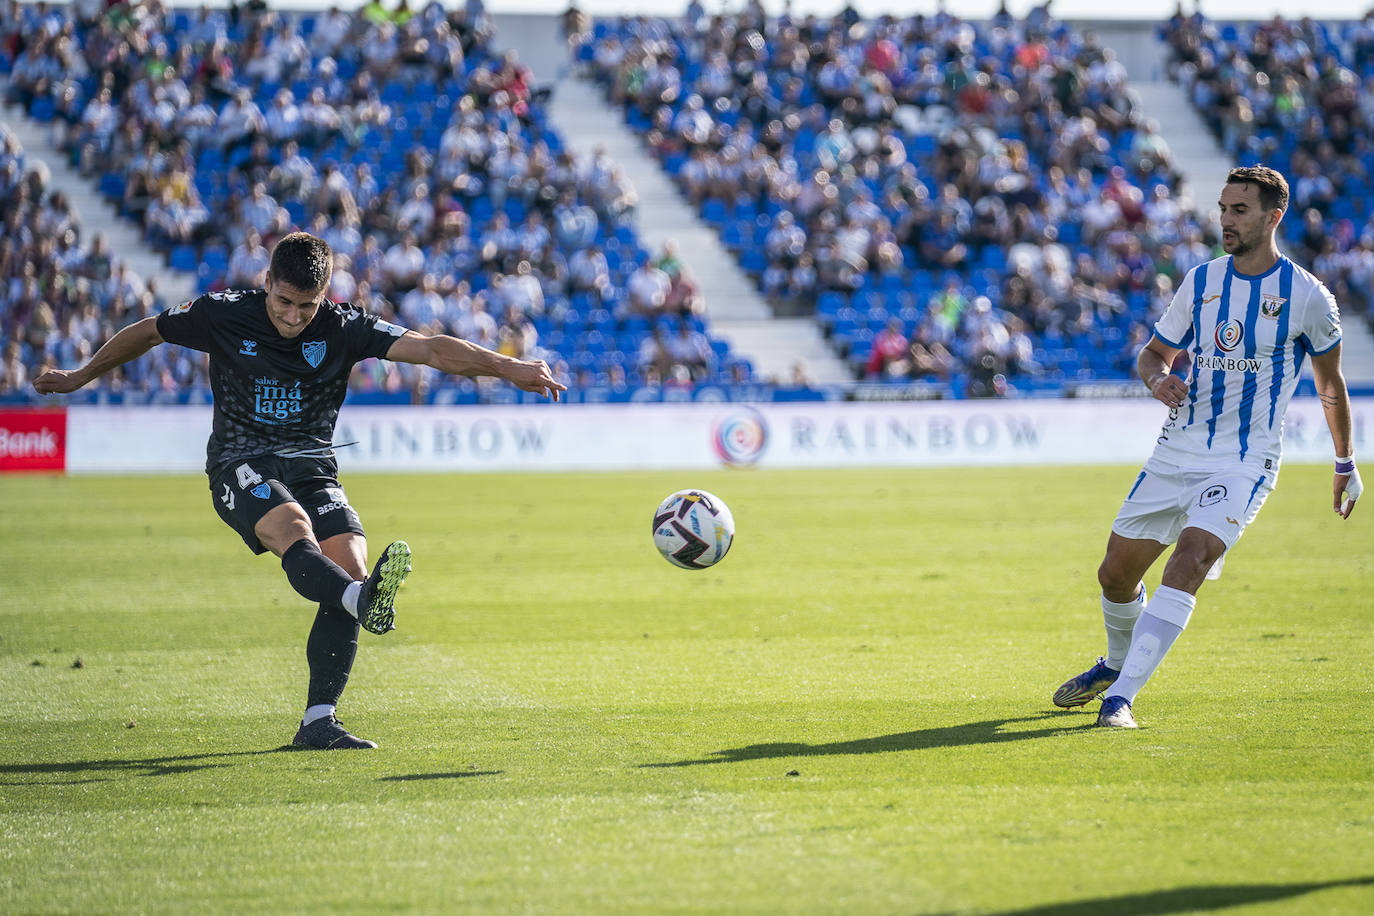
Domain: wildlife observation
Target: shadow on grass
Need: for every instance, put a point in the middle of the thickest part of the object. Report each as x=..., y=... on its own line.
x=416, y=777
x=1184, y=899
x=29, y=783
x=144, y=766
x=986, y=732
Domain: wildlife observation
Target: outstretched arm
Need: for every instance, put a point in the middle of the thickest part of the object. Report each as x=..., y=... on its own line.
x=462, y=357
x=1345, y=486
x=129, y=343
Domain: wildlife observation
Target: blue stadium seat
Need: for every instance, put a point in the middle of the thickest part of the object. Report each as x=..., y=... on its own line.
x=892, y=283
x=829, y=303
x=735, y=235
x=215, y=255
x=184, y=257
x=868, y=300
x=591, y=342
x=845, y=324
x=112, y=185
x=611, y=358
x=876, y=318
x=753, y=261
x=601, y=320
x=921, y=144
x=713, y=211
x=581, y=302
x=993, y=257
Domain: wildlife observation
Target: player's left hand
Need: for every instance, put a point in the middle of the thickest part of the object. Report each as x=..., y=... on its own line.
x=58, y=381
x=534, y=375
x=1346, y=488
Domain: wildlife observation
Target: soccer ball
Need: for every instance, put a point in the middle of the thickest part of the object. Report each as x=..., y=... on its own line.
x=693, y=529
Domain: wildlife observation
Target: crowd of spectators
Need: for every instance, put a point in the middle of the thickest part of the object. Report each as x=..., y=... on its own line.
x=982, y=206
x=421, y=154
x=63, y=295
x=1298, y=96
x=977, y=203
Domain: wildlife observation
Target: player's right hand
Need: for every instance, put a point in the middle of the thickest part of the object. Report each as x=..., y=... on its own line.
x=1171, y=390
x=57, y=381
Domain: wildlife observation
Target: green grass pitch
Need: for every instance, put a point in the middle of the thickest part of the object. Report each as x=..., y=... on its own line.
x=849, y=715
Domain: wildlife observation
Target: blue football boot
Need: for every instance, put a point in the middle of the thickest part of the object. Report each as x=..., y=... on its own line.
x=1077, y=691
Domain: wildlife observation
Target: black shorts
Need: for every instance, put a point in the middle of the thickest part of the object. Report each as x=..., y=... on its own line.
x=245, y=491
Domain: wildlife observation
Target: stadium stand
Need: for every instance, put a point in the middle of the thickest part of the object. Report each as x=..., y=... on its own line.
x=981, y=209
x=988, y=193
x=420, y=153
x=62, y=298
x=1298, y=96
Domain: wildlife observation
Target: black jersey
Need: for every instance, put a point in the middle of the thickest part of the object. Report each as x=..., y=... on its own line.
x=274, y=394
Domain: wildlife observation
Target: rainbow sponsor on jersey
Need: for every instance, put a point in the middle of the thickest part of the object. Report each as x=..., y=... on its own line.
x=1229, y=363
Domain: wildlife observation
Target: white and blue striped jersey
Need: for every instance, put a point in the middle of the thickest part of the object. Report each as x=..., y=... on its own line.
x=1247, y=338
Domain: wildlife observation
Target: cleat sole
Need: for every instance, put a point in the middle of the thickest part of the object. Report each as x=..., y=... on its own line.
x=1078, y=691
x=381, y=616
x=1072, y=700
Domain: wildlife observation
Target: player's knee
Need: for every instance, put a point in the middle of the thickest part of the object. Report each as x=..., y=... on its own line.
x=279, y=530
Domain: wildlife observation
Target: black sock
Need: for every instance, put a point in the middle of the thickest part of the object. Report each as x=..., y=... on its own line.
x=313, y=574
x=329, y=651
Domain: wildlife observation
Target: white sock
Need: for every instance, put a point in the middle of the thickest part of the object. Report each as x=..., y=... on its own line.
x=1155, y=631
x=350, y=598
x=317, y=712
x=1120, y=621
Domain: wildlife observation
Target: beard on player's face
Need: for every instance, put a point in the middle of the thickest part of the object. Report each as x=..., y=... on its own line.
x=1236, y=246
x=1243, y=238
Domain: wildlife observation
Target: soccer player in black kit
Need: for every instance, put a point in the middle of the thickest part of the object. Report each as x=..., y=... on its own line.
x=280, y=359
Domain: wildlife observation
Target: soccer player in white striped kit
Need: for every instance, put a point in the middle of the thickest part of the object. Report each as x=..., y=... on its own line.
x=1248, y=321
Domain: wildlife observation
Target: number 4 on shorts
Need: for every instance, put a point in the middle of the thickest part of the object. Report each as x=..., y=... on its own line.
x=247, y=476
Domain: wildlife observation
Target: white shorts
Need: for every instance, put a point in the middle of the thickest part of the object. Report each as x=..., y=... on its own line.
x=1165, y=499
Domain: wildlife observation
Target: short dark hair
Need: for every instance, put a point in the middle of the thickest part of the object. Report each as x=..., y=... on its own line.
x=303, y=261
x=1273, y=188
